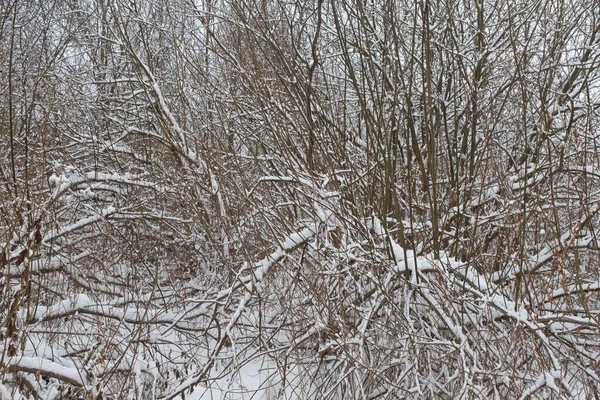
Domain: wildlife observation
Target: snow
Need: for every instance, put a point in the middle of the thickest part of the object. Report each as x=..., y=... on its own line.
x=64, y=307
x=187, y=246
x=47, y=367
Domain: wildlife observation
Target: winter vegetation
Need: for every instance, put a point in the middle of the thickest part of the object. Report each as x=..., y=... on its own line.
x=284, y=199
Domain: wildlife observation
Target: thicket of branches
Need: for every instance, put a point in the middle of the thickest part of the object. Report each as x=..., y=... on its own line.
x=363, y=200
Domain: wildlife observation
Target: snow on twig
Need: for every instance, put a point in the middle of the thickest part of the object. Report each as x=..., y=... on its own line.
x=47, y=368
